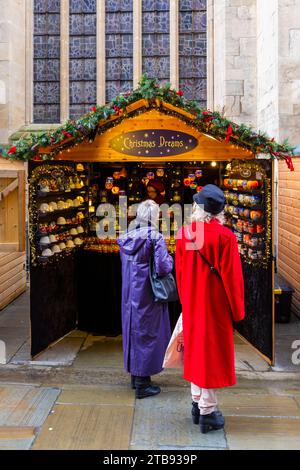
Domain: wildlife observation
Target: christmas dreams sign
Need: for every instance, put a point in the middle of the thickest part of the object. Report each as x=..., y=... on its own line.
x=154, y=143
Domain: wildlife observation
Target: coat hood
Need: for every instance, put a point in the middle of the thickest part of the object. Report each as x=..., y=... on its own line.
x=133, y=240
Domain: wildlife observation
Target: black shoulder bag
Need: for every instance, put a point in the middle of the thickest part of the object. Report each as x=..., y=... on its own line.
x=164, y=288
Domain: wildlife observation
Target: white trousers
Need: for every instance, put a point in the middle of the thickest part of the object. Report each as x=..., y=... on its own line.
x=206, y=399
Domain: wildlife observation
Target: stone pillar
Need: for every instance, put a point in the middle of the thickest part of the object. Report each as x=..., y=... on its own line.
x=289, y=69
x=12, y=67
x=234, y=72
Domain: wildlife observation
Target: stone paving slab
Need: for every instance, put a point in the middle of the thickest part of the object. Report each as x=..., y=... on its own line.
x=16, y=444
x=100, y=351
x=165, y=421
x=86, y=427
x=258, y=405
x=298, y=400
x=15, y=319
x=62, y=353
x=284, y=359
x=262, y=433
x=245, y=354
x=78, y=334
x=25, y=406
x=97, y=396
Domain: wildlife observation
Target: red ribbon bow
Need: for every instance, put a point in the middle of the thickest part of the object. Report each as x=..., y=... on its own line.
x=288, y=158
x=229, y=133
x=66, y=134
x=12, y=150
x=208, y=117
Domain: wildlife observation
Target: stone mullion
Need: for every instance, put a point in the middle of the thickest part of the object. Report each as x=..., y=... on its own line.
x=137, y=42
x=101, y=54
x=210, y=54
x=29, y=63
x=174, y=43
x=64, y=60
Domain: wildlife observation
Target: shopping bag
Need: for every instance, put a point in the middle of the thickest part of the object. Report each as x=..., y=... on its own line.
x=174, y=353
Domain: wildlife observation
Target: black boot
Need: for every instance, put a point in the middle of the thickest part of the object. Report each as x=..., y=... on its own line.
x=144, y=387
x=133, y=382
x=211, y=422
x=196, y=412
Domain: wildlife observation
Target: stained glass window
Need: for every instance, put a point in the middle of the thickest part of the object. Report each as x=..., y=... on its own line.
x=46, y=61
x=156, y=39
x=119, y=47
x=193, y=50
x=83, y=70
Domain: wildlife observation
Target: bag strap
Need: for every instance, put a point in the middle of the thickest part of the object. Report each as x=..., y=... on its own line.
x=211, y=267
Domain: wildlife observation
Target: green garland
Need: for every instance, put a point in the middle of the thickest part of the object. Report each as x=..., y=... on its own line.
x=210, y=122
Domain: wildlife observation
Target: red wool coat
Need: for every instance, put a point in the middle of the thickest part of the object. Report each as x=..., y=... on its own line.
x=208, y=304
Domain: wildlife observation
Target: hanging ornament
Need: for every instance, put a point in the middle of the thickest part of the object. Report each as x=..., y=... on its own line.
x=193, y=186
x=116, y=175
x=109, y=185
x=115, y=190
x=145, y=180
x=150, y=175
x=192, y=177
x=123, y=173
x=198, y=173
x=199, y=188
x=160, y=172
x=186, y=181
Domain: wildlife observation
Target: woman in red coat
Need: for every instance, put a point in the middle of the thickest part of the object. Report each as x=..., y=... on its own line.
x=211, y=290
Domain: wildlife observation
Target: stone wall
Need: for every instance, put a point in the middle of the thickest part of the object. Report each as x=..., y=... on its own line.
x=267, y=67
x=289, y=69
x=234, y=38
x=12, y=67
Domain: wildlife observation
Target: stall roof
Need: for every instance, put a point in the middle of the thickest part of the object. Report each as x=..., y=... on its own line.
x=237, y=140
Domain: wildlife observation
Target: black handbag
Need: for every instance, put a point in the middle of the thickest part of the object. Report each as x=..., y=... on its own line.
x=164, y=287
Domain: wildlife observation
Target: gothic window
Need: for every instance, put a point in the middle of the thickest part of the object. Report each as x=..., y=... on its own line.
x=46, y=61
x=156, y=39
x=83, y=70
x=119, y=47
x=192, y=49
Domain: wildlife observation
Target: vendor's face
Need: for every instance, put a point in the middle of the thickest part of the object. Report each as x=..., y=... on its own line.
x=151, y=192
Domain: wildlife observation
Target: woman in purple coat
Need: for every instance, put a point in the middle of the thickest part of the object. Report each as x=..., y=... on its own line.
x=145, y=323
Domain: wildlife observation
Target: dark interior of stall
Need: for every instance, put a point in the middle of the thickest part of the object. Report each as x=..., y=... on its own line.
x=75, y=275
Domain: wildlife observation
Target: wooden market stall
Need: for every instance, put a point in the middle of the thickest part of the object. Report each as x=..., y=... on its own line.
x=12, y=231
x=289, y=229
x=115, y=150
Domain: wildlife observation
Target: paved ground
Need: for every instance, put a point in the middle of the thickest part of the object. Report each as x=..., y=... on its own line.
x=77, y=396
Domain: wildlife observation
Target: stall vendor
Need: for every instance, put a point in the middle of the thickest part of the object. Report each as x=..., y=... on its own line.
x=156, y=191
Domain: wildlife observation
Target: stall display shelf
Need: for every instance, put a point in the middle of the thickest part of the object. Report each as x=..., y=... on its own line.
x=45, y=195
x=61, y=212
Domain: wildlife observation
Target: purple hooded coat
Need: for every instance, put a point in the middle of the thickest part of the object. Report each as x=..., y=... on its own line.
x=145, y=323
